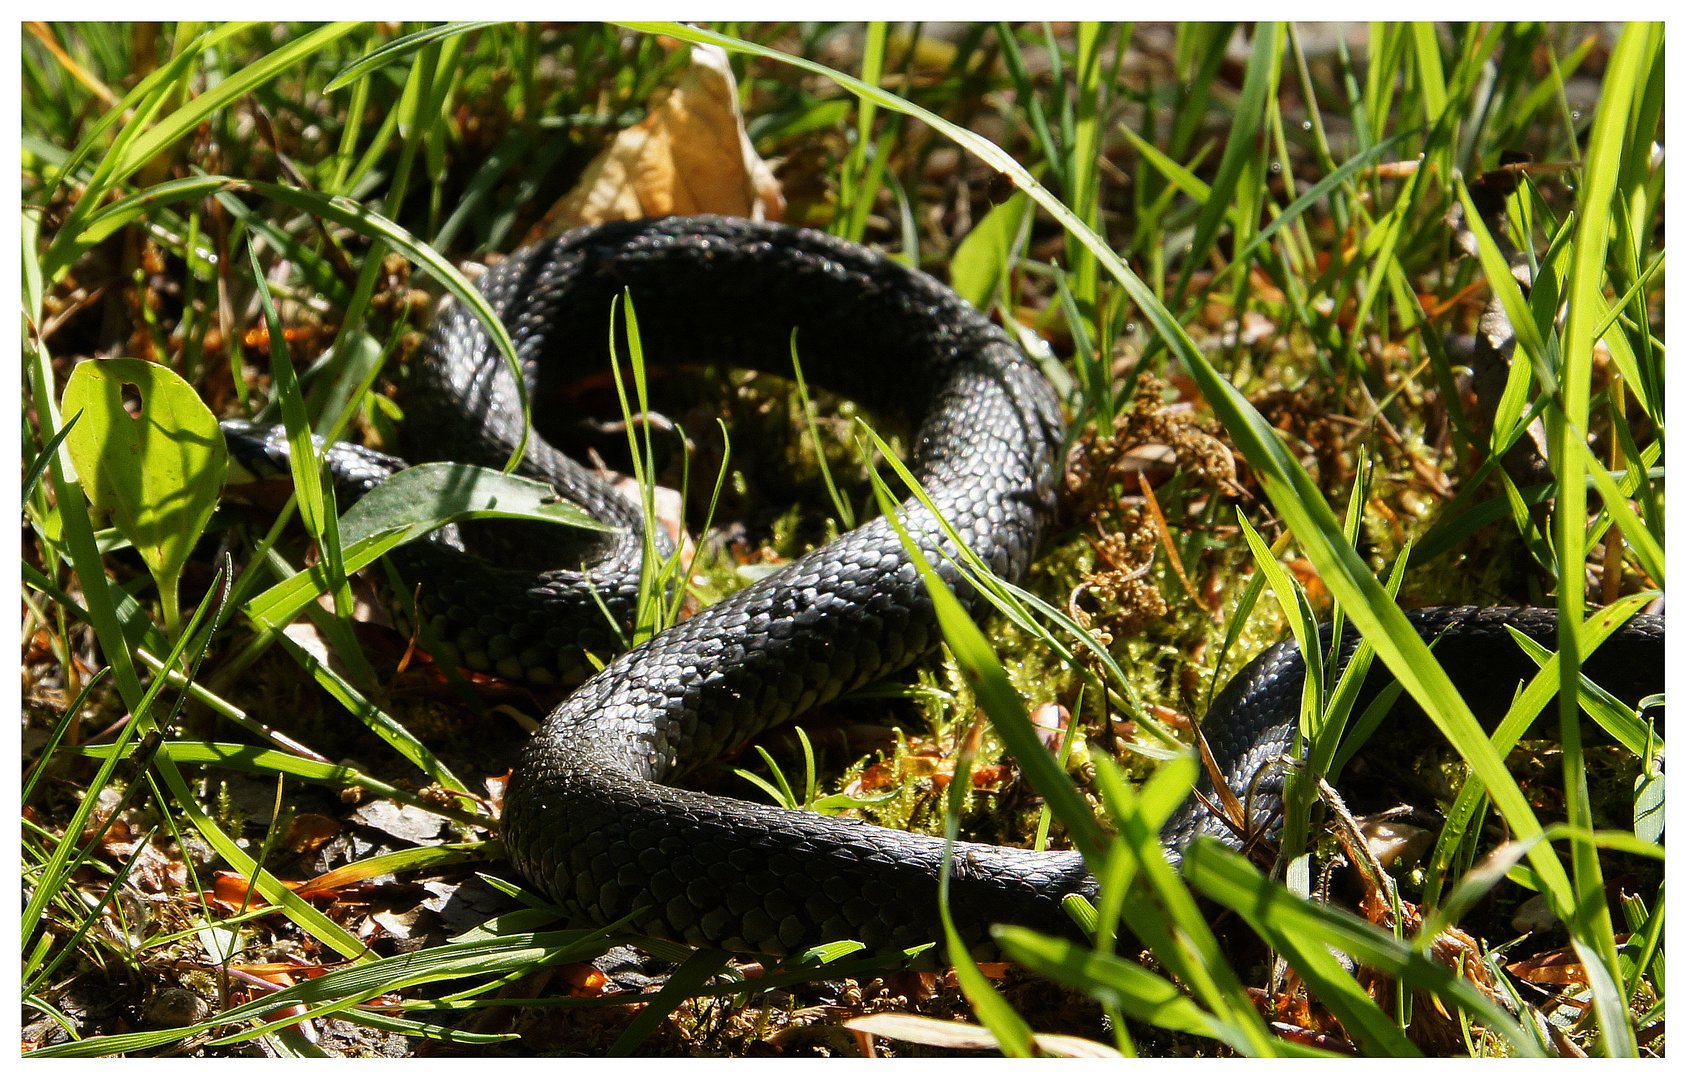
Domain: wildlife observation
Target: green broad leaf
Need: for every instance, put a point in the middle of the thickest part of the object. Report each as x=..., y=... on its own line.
x=157, y=474
x=421, y=499
x=980, y=265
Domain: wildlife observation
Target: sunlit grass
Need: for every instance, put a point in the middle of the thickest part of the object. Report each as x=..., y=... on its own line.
x=253, y=153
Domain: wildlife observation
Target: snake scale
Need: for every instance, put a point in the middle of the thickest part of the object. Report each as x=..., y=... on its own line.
x=591, y=814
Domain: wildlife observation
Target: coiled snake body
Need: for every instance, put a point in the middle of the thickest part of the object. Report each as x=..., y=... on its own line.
x=590, y=815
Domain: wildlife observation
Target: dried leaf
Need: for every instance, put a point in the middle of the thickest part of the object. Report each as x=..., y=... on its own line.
x=950, y=1035
x=1561, y=967
x=691, y=155
x=582, y=980
x=1394, y=844
x=1050, y=721
x=408, y=823
x=1309, y=580
x=884, y=775
x=309, y=832
x=1534, y=915
x=400, y=925
x=234, y=890
x=990, y=778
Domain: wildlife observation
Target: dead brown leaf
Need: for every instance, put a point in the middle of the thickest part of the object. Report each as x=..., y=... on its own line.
x=233, y=891
x=583, y=980
x=1561, y=967
x=309, y=832
x=691, y=155
x=951, y=1035
x=888, y=774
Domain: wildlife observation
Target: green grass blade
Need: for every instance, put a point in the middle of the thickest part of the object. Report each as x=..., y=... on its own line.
x=855, y=190
x=1258, y=87
x=1173, y=925
x=264, y=762
x=377, y=720
x=996, y=695
x=1277, y=913
x=702, y=966
x=397, y=49
x=65, y=857
x=173, y=128
x=1591, y=929
x=1144, y=996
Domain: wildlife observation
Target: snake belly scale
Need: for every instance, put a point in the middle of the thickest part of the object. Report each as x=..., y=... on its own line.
x=591, y=815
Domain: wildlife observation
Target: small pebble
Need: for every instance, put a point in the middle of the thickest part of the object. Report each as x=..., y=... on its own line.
x=174, y=1007
x=1534, y=915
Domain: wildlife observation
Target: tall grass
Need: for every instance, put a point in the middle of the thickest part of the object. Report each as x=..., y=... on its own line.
x=270, y=170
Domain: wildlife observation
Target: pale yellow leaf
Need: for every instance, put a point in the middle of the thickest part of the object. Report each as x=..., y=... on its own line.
x=691, y=155
x=951, y=1035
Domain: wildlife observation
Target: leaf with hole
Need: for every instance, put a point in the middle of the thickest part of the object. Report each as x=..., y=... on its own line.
x=157, y=473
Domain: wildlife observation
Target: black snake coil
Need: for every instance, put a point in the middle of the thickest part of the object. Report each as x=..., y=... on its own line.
x=591, y=815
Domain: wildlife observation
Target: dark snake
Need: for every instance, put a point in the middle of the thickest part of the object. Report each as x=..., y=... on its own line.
x=591, y=815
